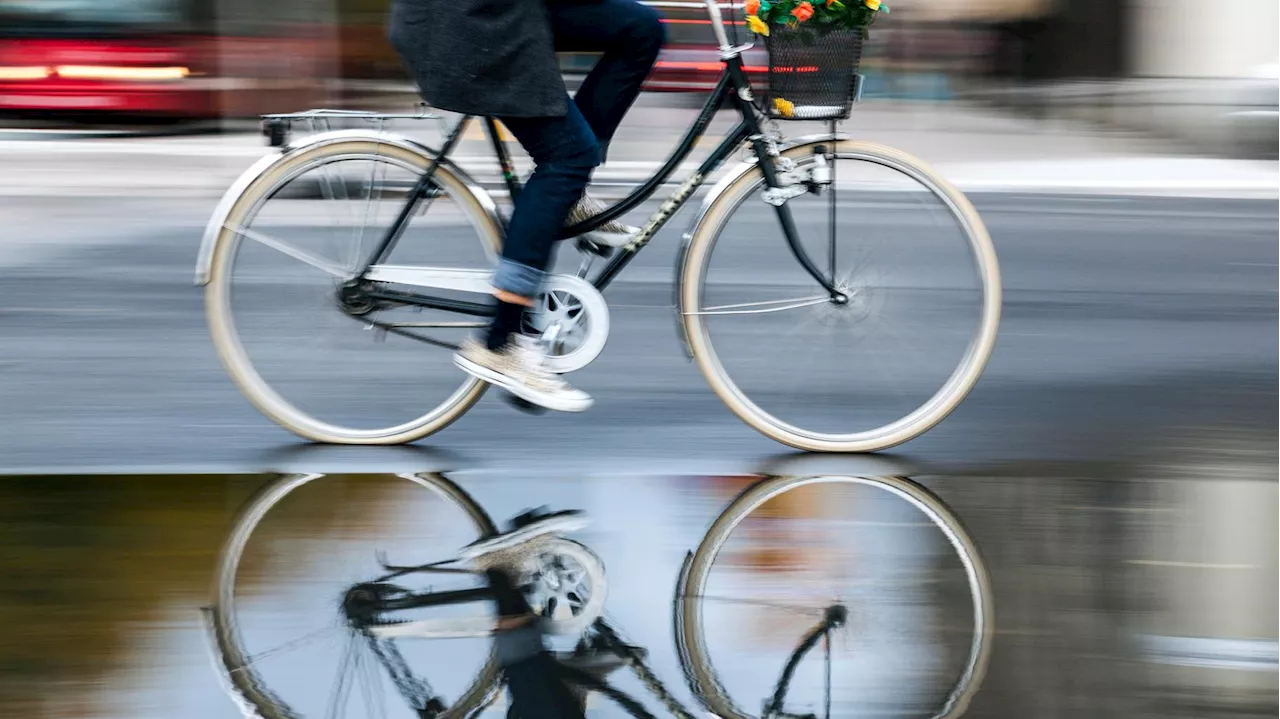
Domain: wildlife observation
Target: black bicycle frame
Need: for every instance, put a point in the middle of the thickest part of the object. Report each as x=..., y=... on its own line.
x=834, y=617
x=733, y=85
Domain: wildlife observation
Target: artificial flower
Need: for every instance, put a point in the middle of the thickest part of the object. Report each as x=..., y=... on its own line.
x=752, y=7
x=873, y=4
x=784, y=107
x=804, y=10
x=757, y=25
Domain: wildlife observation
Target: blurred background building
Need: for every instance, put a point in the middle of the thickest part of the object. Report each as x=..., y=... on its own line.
x=1202, y=73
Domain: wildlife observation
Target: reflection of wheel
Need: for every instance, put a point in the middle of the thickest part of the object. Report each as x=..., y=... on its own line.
x=889, y=357
x=278, y=627
x=735, y=674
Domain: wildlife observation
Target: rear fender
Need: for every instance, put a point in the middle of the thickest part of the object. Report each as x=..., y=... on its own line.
x=213, y=229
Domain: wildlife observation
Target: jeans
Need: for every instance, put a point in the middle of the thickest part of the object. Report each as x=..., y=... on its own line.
x=566, y=150
x=532, y=674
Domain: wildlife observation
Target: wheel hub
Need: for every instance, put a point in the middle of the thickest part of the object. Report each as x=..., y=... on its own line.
x=354, y=298
x=854, y=302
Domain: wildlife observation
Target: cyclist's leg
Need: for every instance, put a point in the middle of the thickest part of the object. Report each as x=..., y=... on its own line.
x=565, y=152
x=537, y=691
x=629, y=35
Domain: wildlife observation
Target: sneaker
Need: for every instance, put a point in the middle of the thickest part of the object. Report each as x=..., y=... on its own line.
x=521, y=531
x=610, y=234
x=520, y=368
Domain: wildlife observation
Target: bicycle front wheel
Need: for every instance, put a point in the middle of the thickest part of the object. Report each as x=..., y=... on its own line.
x=922, y=284
x=882, y=550
x=303, y=341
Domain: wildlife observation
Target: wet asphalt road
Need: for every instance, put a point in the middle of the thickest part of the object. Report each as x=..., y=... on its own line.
x=1124, y=319
x=1115, y=466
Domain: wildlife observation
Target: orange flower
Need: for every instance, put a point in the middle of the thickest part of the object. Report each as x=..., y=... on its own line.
x=803, y=11
x=752, y=7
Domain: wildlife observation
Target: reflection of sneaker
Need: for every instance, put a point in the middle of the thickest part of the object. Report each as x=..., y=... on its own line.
x=610, y=234
x=521, y=530
x=520, y=368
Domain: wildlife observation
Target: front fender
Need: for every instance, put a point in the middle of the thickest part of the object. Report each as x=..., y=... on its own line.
x=213, y=229
x=731, y=179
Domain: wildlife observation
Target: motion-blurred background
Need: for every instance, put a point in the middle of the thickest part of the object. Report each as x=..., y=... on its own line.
x=1202, y=73
x=1116, y=463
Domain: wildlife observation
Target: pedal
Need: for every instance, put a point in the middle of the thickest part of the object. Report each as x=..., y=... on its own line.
x=588, y=247
x=524, y=405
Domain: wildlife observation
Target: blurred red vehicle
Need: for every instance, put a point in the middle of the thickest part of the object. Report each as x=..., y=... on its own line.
x=690, y=60
x=174, y=59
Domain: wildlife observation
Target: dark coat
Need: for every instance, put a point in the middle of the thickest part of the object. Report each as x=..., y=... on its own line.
x=481, y=57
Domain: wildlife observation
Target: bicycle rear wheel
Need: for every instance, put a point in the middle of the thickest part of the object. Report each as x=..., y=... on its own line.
x=923, y=301
x=294, y=555
x=304, y=343
x=781, y=555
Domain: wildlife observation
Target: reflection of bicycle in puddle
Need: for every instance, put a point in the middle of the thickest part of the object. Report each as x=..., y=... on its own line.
x=810, y=596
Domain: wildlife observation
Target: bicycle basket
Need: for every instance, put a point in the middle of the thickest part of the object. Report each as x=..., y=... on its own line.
x=813, y=75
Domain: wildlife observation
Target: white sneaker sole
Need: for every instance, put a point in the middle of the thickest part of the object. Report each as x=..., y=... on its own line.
x=611, y=239
x=542, y=399
x=553, y=525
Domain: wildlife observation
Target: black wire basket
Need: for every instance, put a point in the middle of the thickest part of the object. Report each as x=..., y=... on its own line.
x=813, y=75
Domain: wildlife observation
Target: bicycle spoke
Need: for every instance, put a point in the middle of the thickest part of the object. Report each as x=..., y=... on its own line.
x=327, y=191
x=293, y=644
x=341, y=689
x=759, y=603
x=297, y=254
x=369, y=686
x=764, y=306
x=373, y=180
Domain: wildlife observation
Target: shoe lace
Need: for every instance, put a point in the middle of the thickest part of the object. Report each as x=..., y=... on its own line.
x=534, y=362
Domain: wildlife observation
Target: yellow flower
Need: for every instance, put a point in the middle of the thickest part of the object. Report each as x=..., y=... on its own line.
x=757, y=25
x=873, y=4
x=784, y=108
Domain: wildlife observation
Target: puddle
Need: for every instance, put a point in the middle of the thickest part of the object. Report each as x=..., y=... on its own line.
x=1130, y=589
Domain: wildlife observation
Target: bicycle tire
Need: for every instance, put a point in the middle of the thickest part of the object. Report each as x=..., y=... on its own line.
x=218, y=313
x=695, y=660
x=239, y=673
x=693, y=274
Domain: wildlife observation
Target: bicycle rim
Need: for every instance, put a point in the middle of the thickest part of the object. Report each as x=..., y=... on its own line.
x=243, y=668
x=693, y=596
x=917, y=265
x=302, y=353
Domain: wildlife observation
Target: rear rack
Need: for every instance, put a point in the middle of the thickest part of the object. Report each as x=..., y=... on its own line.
x=277, y=127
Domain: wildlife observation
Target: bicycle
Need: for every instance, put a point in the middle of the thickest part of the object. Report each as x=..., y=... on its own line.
x=813, y=283
x=381, y=623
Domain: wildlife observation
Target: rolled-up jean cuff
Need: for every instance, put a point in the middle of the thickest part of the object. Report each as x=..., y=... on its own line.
x=518, y=279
